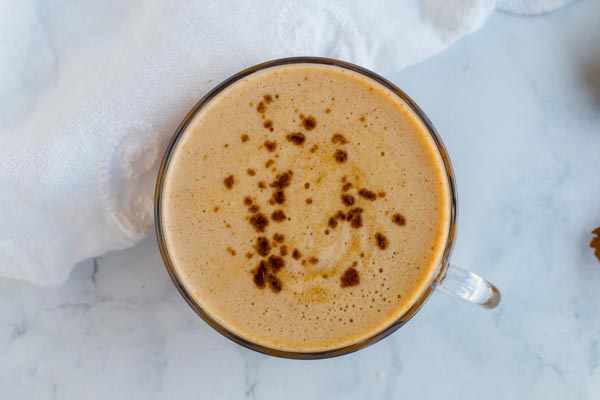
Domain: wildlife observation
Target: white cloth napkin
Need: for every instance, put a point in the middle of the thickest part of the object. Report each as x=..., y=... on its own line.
x=90, y=91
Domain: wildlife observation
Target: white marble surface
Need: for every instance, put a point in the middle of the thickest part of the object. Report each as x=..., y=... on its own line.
x=518, y=106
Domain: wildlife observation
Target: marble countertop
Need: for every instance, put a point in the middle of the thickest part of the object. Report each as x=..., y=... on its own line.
x=518, y=106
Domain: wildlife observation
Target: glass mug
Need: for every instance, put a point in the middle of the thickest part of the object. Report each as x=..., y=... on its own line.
x=448, y=279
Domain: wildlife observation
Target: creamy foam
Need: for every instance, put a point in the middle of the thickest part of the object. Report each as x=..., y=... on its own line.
x=306, y=207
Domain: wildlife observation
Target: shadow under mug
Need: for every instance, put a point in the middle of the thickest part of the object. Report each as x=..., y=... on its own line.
x=449, y=278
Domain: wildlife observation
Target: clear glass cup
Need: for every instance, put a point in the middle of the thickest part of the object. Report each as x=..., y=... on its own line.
x=449, y=278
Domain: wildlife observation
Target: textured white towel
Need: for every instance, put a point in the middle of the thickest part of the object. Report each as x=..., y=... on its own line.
x=90, y=91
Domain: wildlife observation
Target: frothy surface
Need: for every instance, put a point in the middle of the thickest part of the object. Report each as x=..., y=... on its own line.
x=306, y=207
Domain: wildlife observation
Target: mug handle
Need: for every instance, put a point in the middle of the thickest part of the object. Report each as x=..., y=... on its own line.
x=458, y=282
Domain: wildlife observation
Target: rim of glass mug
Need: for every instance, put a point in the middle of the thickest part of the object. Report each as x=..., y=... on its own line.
x=449, y=279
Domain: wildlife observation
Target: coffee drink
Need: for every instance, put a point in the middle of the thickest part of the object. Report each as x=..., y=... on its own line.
x=306, y=207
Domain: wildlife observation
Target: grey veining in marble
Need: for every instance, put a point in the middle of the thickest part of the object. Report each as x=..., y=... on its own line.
x=518, y=105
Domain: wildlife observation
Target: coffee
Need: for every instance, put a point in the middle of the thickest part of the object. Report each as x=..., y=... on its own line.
x=306, y=207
